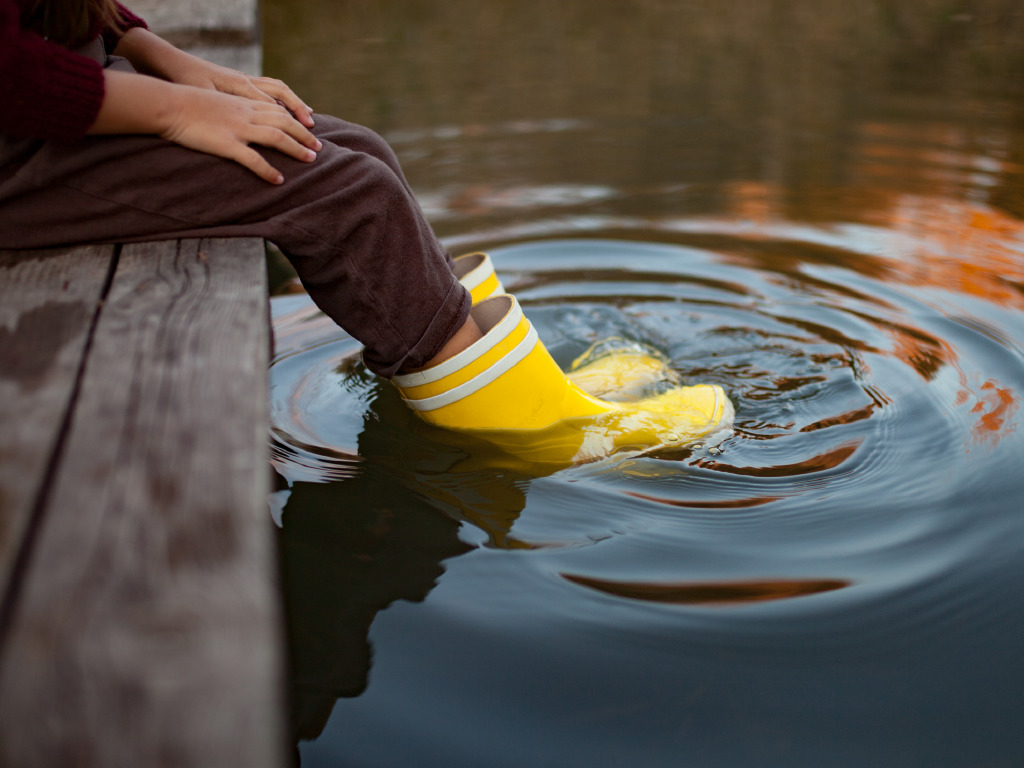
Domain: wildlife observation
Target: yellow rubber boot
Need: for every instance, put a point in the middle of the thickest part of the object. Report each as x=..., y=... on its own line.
x=476, y=273
x=507, y=387
x=613, y=369
x=622, y=371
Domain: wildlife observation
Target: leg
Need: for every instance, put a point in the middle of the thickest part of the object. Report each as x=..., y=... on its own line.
x=361, y=139
x=348, y=221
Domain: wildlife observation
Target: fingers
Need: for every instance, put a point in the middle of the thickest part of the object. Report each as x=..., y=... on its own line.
x=203, y=74
x=269, y=91
x=255, y=162
x=228, y=125
x=280, y=92
x=274, y=138
x=274, y=128
x=279, y=118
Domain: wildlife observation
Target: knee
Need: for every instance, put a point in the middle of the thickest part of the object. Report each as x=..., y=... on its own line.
x=358, y=195
x=374, y=145
x=358, y=138
x=375, y=181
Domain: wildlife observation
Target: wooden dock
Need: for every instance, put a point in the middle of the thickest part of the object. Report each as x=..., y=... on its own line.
x=140, y=622
x=140, y=616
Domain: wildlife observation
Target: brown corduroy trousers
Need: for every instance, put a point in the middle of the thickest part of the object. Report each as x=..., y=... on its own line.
x=348, y=222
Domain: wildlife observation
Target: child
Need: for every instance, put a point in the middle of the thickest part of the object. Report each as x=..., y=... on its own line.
x=203, y=151
x=110, y=134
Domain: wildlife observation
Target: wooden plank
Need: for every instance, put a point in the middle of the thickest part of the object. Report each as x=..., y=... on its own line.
x=225, y=32
x=189, y=22
x=48, y=300
x=149, y=630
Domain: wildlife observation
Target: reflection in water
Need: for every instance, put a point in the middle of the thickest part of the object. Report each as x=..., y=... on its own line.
x=699, y=504
x=671, y=108
x=817, y=205
x=343, y=561
x=709, y=594
x=995, y=410
x=819, y=463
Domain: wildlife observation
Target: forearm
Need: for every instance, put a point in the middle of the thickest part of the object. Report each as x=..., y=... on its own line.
x=151, y=54
x=202, y=119
x=134, y=103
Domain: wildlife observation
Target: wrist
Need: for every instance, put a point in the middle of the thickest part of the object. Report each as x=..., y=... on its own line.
x=134, y=103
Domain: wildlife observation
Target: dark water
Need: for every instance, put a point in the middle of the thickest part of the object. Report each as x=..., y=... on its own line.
x=815, y=205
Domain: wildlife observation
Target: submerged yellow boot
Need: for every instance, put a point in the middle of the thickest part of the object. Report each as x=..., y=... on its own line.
x=507, y=387
x=612, y=369
x=622, y=371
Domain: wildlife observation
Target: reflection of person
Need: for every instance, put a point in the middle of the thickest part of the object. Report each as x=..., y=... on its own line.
x=348, y=550
x=110, y=134
x=351, y=548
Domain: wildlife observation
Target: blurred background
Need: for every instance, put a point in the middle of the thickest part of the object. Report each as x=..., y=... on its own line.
x=506, y=112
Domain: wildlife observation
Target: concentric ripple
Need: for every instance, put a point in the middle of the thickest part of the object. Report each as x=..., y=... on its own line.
x=863, y=401
x=866, y=498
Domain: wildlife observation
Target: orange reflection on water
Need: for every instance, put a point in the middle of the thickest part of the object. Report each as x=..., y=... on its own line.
x=995, y=410
x=931, y=178
x=928, y=185
x=756, y=501
x=754, y=201
x=964, y=248
x=932, y=238
x=820, y=463
x=710, y=593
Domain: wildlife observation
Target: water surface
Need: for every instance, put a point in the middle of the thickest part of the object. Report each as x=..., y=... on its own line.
x=818, y=207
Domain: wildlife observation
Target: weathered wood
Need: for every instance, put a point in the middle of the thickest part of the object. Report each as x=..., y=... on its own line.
x=224, y=31
x=48, y=300
x=148, y=631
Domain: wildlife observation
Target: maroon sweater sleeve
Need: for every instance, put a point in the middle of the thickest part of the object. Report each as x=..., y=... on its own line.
x=46, y=91
x=128, y=21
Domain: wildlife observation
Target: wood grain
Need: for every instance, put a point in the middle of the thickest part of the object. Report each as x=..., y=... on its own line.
x=149, y=630
x=48, y=300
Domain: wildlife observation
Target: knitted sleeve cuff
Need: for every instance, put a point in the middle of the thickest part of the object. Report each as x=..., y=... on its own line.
x=128, y=21
x=65, y=108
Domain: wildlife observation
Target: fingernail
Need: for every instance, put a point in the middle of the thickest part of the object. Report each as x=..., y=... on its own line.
x=310, y=155
x=279, y=179
x=319, y=144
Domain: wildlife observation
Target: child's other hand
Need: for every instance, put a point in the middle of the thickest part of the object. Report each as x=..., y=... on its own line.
x=225, y=124
x=152, y=55
x=204, y=74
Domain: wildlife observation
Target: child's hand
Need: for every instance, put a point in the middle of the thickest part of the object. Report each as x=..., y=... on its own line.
x=225, y=124
x=204, y=74
x=206, y=120
x=152, y=55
